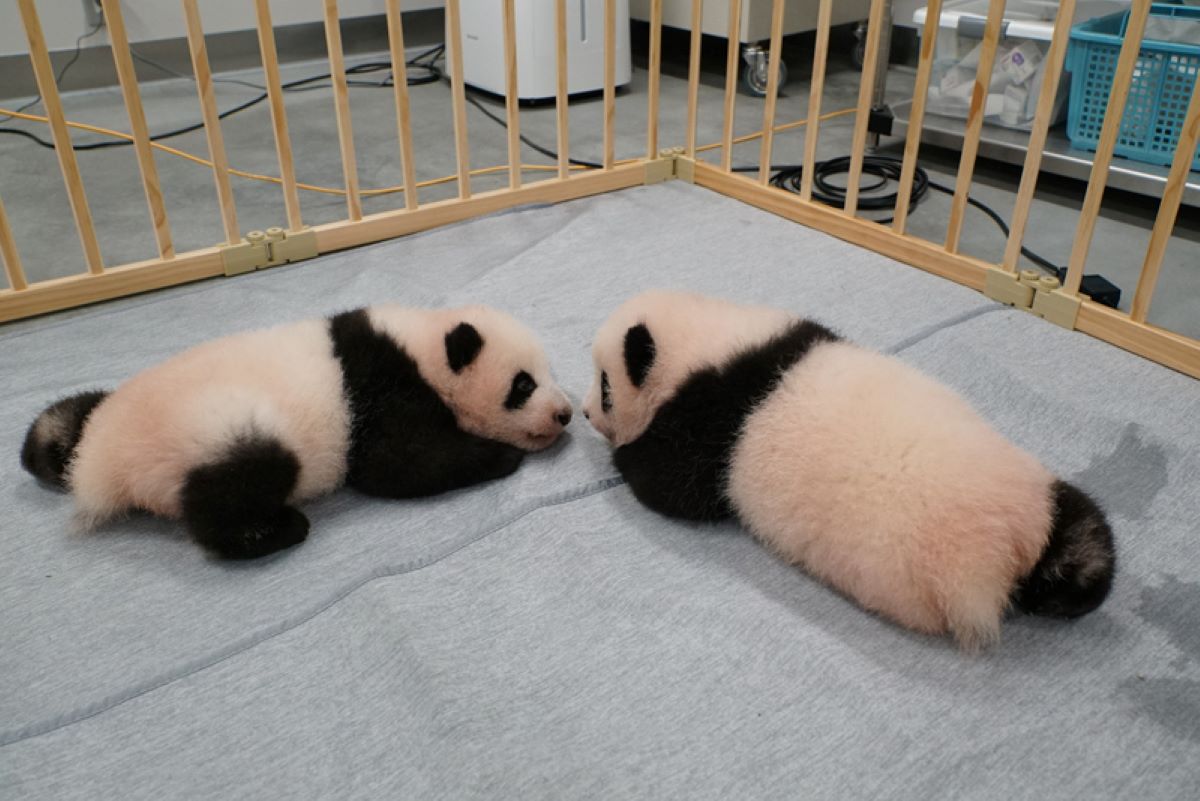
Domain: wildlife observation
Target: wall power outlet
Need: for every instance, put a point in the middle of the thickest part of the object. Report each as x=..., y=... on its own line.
x=93, y=14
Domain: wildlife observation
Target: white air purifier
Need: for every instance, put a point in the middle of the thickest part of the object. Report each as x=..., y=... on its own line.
x=537, y=52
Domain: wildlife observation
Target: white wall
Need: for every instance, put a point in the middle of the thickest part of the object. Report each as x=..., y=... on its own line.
x=903, y=10
x=148, y=20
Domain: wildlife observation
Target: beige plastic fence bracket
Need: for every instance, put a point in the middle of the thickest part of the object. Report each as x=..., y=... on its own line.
x=261, y=249
x=685, y=169
x=663, y=168
x=1051, y=303
x=1005, y=287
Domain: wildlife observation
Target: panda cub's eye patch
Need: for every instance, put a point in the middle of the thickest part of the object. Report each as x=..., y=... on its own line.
x=605, y=393
x=522, y=387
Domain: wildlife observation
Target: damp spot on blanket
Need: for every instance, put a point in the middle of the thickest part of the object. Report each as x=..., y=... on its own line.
x=1173, y=607
x=1127, y=480
x=1172, y=703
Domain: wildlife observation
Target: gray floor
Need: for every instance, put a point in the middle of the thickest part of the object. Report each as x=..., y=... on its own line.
x=37, y=204
x=546, y=637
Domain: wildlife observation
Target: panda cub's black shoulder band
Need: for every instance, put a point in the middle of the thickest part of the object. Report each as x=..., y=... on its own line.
x=678, y=466
x=404, y=440
x=379, y=379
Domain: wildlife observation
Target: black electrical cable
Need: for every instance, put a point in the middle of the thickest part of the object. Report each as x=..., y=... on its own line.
x=70, y=62
x=788, y=177
x=545, y=151
x=169, y=71
x=996, y=218
x=431, y=75
x=884, y=169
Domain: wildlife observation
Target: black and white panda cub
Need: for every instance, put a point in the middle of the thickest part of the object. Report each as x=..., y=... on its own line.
x=232, y=434
x=875, y=478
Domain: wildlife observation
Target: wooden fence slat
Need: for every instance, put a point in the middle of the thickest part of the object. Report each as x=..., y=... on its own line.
x=458, y=96
x=610, y=78
x=341, y=100
x=127, y=77
x=63, y=149
x=511, y=96
x=975, y=114
x=912, y=143
x=866, y=90
x=1055, y=57
x=283, y=141
x=693, y=90
x=1173, y=350
x=403, y=110
x=560, y=96
x=654, y=77
x=731, y=78
x=56, y=294
x=1168, y=208
x=212, y=122
x=1109, y=131
x=768, y=127
x=815, y=90
x=9, y=254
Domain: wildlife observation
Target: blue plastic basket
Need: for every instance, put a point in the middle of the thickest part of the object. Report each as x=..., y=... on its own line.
x=1158, y=96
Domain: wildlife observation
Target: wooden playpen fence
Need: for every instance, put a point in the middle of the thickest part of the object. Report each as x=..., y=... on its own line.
x=1063, y=304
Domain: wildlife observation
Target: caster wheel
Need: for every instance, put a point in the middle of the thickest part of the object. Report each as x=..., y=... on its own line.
x=859, y=54
x=757, y=71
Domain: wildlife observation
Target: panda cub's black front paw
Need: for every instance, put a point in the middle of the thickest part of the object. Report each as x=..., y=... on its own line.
x=505, y=460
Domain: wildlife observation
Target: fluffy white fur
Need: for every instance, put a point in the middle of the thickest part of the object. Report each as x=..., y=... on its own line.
x=508, y=348
x=138, y=445
x=891, y=488
x=140, y=442
x=875, y=478
x=690, y=332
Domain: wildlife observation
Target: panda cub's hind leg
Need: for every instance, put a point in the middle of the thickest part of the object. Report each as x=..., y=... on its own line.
x=236, y=506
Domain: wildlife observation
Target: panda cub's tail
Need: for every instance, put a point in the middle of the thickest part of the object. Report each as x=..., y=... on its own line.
x=52, y=438
x=1075, y=572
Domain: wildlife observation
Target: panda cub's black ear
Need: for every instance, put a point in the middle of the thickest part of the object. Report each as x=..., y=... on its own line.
x=462, y=346
x=639, y=353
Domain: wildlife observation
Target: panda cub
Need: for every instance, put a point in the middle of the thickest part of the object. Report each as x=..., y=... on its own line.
x=231, y=435
x=873, y=477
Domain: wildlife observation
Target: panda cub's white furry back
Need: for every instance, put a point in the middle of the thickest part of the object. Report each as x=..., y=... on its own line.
x=232, y=434
x=872, y=476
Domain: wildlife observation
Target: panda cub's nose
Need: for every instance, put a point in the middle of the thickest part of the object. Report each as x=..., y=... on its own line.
x=563, y=417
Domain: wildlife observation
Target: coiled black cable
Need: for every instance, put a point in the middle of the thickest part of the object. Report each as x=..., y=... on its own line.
x=885, y=169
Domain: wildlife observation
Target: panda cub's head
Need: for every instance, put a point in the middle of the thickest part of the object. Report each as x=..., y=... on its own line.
x=653, y=342
x=620, y=404
x=493, y=374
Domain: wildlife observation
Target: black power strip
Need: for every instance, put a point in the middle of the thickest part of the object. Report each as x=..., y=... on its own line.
x=1096, y=287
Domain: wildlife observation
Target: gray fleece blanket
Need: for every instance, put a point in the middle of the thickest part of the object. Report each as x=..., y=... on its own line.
x=544, y=636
